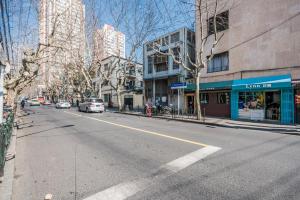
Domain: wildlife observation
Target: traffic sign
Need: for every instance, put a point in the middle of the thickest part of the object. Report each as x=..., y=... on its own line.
x=178, y=85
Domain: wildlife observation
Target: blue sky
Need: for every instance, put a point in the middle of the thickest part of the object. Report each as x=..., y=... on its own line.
x=173, y=14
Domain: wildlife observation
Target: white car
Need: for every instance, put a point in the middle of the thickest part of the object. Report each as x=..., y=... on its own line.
x=63, y=104
x=34, y=102
x=92, y=105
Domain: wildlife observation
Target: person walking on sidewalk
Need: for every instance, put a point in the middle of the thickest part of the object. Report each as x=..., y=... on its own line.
x=22, y=103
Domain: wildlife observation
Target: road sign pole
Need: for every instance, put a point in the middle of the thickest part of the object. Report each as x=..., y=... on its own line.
x=178, y=100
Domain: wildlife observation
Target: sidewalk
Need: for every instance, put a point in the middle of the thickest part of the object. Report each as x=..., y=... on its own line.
x=261, y=126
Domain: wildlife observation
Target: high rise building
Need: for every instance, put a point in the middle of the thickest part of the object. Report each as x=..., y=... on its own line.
x=109, y=42
x=61, y=23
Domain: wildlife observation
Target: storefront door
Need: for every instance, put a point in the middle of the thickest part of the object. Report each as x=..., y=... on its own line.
x=297, y=106
x=190, y=104
x=272, y=107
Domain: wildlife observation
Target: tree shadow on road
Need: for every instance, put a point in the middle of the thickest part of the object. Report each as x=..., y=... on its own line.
x=65, y=126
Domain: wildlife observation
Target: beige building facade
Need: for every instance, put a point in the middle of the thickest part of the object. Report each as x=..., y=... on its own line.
x=131, y=92
x=260, y=42
x=109, y=42
x=61, y=25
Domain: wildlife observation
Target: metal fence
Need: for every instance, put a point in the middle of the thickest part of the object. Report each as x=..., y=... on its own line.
x=5, y=136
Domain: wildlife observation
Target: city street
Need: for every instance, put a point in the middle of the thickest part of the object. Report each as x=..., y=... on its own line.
x=74, y=155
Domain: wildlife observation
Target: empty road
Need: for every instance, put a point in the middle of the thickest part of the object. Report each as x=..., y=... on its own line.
x=87, y=156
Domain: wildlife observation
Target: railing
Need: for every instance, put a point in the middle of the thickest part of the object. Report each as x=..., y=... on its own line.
x=5, y=136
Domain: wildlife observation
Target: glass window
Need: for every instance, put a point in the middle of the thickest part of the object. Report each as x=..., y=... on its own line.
x=150, y=64
x=204, y=98
x=149, y=47
x=222, y=22
x=175, y=37
x=176, y=52
x=106, y=97
x=251, y=100
x=219, y=62
x=223, y=98
x=165, y=41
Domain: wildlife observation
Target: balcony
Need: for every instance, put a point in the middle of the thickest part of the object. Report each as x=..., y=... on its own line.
x=131, y=73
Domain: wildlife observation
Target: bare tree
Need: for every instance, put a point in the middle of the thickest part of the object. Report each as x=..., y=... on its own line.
x=207, y=39
x=138, y=21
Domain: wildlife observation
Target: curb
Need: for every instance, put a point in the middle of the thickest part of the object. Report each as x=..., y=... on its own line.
x=6, y=186
x=277, y=130
x=179, y=120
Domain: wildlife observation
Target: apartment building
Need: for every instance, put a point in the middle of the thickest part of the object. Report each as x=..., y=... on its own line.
x=64, y=19
x=255, y=71
x=160, y=70
x=109, y=42
x=131, y=91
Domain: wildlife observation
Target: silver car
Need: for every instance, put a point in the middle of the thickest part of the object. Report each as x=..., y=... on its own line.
x=92, y=105
x=63, y=104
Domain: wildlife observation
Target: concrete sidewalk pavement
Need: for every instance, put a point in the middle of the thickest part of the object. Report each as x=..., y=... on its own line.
x=213, y=121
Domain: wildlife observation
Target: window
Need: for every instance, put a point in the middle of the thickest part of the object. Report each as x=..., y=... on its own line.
x=165, y=41
x=191, y=37
x=106, y=67
x=161, y=62
x=106, y=98
x=150, y=64
x=204, y=98
x=219, y=62
x=175, y=37
x=223, y=98
x=176, y=52
x=149, y=47
x=222, y=22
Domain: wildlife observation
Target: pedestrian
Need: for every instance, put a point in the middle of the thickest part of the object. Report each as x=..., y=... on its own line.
x=77, y=103
x=22, y=103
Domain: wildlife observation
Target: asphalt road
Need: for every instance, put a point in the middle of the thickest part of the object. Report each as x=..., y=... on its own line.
x=74, y=155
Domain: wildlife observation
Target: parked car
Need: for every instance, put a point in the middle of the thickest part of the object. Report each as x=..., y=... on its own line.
x=34, y=102
x=92, y=105
x=46, y=103
x=63, y=104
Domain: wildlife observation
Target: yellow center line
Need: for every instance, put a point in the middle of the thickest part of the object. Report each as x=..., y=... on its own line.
x=142, y=130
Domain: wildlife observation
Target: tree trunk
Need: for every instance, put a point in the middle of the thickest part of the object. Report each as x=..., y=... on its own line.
x=100, y=90
x=197, y=96
x=119, y=99
x=12, y=99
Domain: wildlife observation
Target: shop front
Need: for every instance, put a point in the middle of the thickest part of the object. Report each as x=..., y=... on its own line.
x=263, y=99
x=297, y=103
x=214, y=97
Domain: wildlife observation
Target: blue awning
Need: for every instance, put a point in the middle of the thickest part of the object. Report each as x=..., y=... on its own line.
x=262, y=83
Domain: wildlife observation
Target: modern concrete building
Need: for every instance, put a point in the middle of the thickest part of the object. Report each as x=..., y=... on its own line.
x=131, y=92
x=109, y=42
x=255, y=71
x=64, y=19
x=160, y=70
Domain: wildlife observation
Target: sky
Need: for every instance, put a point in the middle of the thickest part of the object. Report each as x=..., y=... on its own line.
x=173, y=14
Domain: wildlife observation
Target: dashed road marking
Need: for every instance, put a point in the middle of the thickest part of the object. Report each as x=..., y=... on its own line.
x=127, y=189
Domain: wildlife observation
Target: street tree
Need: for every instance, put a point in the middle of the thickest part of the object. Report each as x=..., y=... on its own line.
x=206, y=43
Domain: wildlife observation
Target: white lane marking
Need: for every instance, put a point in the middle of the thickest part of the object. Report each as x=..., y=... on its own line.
x=141, y=130
x=127, y=189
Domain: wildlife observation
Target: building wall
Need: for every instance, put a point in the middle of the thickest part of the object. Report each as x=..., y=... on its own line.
x=66, y=18
x=136, y=92
x=109, y=42
x=263, y=39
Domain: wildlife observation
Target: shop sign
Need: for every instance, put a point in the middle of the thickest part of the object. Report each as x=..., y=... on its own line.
x=178, y=85
x=297, y=99
x=258, y=86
